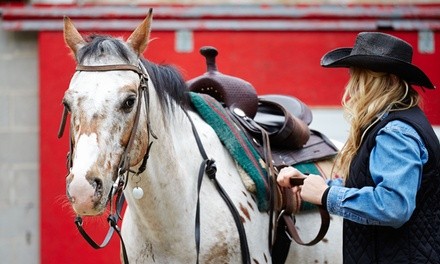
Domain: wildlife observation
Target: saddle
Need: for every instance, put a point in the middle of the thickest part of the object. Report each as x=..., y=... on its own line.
x=283, y=118
x=278, y=128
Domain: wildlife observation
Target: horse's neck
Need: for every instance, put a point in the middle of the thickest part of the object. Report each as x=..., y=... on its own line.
x=170, y=180
x=161, y=226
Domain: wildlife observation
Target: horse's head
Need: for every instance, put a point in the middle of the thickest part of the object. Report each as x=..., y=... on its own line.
x=103, y=106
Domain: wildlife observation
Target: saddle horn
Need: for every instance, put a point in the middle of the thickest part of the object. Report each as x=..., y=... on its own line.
x=224, y=88
x=209, y=53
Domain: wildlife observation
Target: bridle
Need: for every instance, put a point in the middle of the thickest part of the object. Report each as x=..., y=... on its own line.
x=123, y=169
x=207, y=166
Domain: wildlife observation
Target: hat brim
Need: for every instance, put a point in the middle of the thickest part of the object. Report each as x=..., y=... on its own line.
x=341, y=58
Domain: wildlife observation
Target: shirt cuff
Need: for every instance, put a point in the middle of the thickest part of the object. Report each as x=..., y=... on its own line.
x=334, y=199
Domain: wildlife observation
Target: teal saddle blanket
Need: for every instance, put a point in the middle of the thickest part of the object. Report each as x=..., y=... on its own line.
x=238, y=145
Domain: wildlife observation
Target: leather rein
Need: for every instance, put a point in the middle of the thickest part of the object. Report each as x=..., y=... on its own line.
x=116, y=193
x=284, y=203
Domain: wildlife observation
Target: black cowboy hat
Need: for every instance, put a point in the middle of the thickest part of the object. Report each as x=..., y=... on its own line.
x=379, y=52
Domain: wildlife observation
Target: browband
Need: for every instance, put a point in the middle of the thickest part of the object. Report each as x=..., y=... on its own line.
x=115, y=67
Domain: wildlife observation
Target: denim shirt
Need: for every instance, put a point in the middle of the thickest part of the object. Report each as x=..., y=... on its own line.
x=396, y=164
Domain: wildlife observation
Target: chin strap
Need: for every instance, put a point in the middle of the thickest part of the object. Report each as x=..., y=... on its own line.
x=112, y=219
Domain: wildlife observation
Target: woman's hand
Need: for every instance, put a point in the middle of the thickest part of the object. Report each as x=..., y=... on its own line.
x=311, y=191
x=286, y=173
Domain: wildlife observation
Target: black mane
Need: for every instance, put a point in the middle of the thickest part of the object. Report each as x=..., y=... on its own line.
x=167, y=80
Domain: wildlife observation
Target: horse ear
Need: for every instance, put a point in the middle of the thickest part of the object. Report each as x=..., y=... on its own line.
x=71, y=36
x=138, y=40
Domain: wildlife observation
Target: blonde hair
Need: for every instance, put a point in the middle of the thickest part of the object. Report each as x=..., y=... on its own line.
x=367, y=97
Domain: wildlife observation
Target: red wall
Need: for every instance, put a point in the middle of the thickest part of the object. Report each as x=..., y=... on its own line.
x=274, y=62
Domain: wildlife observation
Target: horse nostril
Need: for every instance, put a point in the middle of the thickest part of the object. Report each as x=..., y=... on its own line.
x=97, y=184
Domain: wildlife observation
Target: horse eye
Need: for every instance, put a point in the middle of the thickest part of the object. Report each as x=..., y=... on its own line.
x=128, y=104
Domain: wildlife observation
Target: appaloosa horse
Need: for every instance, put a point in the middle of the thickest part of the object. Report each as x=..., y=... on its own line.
x=131, y=129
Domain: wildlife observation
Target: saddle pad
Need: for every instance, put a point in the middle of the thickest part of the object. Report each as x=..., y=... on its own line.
x=236, y=142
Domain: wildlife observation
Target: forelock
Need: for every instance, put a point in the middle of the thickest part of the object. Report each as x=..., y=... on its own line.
x=100, y=47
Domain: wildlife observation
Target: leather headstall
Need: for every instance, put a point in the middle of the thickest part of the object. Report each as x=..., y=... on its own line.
x=124, y=165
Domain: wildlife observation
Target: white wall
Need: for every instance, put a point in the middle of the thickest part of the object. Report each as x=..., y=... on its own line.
x=331, y=122
x=19, y=159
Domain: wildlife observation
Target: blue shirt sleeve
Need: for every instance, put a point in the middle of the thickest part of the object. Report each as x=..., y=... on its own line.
x=396, y=164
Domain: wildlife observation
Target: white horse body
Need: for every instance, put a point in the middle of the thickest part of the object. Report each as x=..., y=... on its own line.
x=160, y=227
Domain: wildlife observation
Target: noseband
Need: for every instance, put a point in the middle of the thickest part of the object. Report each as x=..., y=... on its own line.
x=124, y=165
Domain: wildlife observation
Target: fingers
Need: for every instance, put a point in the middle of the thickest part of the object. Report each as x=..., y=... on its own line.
x=285, y=174
x=296, y=189
x=313, y=189
x=314, y=180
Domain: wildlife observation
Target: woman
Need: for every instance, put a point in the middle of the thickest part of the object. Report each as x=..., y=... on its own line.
x=390, y=195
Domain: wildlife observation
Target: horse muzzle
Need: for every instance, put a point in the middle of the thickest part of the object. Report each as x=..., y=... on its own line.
x=86, y=195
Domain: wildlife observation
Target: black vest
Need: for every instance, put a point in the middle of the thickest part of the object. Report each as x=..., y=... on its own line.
x=418, y=240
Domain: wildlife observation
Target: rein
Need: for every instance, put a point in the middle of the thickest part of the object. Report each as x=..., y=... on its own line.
x=208, y=166
x=283, y=205
x=124, y=165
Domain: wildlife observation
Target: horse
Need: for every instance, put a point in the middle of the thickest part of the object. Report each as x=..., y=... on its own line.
x=132, y=130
